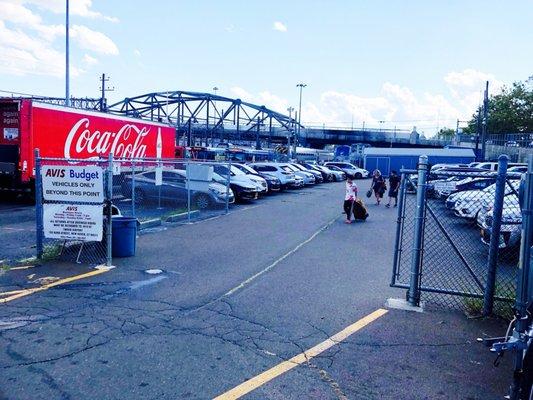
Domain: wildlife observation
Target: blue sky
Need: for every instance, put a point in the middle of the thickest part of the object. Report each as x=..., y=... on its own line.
x=403, y=62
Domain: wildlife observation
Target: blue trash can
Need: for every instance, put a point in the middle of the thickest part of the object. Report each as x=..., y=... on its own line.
x=124, y=236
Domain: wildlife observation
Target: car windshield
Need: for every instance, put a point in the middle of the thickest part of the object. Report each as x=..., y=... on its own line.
x=247, y=168
x=236, y=171
x=286, y=168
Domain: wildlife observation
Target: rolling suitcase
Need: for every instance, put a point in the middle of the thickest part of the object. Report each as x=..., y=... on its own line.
x=359, y=210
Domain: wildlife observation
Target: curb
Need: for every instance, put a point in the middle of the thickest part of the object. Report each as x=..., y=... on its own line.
x=182, y=216
x=149, y=223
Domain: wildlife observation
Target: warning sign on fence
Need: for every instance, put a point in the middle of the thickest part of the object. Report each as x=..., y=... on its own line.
x=76, y=184
x=73, y=222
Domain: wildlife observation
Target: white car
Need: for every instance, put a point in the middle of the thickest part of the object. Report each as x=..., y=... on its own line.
x=469, y=203
x=510, y=228
x=259, y=181
x=350, y=170
x=240, y=178
x=287, y=179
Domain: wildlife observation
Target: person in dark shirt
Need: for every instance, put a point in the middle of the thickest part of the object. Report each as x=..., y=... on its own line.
x=378, y=185
x=394, y=186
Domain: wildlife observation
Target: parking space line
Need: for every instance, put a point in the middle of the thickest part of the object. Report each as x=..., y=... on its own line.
x=285, y=366
x=27, y=292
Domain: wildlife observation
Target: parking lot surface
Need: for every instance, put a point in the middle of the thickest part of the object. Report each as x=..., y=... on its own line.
x=239, y=295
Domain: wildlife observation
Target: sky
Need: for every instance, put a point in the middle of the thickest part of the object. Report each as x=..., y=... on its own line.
x=382, y=63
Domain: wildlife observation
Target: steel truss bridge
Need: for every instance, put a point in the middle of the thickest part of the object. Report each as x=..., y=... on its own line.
x=205, y=118
x=208, y=119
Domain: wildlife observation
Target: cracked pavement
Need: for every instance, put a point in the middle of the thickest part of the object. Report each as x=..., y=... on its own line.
x=180, y=335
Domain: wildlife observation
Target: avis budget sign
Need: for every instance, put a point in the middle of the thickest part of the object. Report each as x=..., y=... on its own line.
x=80, y=184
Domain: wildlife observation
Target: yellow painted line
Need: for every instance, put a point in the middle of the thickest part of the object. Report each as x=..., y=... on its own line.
x=27, y=292
x=22, y=267
x=285, y=366
x=12, y=292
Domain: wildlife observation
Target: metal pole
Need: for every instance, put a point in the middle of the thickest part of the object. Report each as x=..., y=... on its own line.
x=188, y=192
x=257, y=142
x=67, y=54
x=399, y=224
x=228, y=186
x=492, y=263
x=485, y=121
x=524, y=277
x=295, y=138
x=38, y=205
x=133, y=188
x=301, y=86
x=109, y=209
x=414, y=292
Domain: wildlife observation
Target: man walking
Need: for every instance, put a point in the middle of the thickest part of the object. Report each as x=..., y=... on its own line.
x=394, y=187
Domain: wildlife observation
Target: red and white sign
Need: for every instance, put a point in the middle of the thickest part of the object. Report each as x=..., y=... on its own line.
x=73, y=222
x=79, y=134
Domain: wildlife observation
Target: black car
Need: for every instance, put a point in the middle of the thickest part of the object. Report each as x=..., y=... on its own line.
x=314, y=168
x=475, y=184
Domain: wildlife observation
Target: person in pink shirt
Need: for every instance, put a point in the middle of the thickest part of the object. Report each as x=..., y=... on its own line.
x=349, y=198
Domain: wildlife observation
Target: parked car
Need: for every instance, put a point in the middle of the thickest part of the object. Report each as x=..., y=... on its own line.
x=317, y=174
x=461, y=184
x=287, y=179
x=510, y=228
x=349, y=169
x=324, y=173
x=338, y=174
x=273, y=183
x=243, y=187
x=470, y=202
x=238, y=174
x=298, y=182
x=308, y=178
x=173, y=189
x=512, y=143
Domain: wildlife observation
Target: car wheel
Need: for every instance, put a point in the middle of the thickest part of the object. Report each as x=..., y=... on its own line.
x=358, y=175
x=140, y=197
x=202, y=201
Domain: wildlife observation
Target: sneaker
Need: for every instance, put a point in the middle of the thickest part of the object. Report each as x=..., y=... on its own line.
x=347, y=222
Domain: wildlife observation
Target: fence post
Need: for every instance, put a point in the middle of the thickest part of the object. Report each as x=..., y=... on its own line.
x=492, y=263
x=188, y=192
x=227, y=186
x=133, y=172
x=414, y=291
x=399, y=224
x=109, y=210
x=38, y=204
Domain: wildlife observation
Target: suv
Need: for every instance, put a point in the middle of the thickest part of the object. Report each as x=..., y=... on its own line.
x=287, y=179
x=350, y=170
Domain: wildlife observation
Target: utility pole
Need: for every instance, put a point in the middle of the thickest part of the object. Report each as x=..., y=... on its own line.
x=103, y=88
x=485, y=121
x=67, y=67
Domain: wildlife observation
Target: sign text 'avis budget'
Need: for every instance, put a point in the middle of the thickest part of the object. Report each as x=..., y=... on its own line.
x=76, y=184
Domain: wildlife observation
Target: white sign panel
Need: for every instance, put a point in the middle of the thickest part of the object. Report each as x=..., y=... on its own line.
x=158, y=176
x=77, y=184
x=199, y=176
x=73, y=222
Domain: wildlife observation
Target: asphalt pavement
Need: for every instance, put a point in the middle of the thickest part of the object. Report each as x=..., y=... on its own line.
x=239, y=295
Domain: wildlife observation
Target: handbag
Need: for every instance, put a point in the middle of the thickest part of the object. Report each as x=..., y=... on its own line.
x=369, y=193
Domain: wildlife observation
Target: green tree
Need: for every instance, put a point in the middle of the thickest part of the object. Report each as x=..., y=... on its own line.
x=510, y=111
x=445, y=133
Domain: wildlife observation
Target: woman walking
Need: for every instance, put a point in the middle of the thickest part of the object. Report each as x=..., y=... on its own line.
x=349, y=198
x=378, y=185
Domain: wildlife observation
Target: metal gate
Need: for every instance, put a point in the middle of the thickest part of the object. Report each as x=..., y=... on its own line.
x=454, y=247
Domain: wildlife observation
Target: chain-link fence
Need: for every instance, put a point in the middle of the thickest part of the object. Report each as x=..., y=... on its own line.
x=73, y=210
x=157, y=192
x=516, y=145
x=77, y=200
x=458, y=241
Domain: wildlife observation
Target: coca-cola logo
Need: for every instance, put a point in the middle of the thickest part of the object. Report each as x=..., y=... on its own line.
x=127, y=142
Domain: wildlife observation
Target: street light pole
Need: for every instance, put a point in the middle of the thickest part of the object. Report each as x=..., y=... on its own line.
x=67, y=68
x=301, y=86
x=289, y=134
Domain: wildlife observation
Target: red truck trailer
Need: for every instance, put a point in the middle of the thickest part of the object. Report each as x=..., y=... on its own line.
x=64, y=132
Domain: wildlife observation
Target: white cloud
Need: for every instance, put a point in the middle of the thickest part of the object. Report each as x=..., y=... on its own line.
x=279, y=26
x=28, y=45
x=93, y=40
x=89, y=60
x=137, y=53
x=230, y=28
x=81, y=8
x=398, y=106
